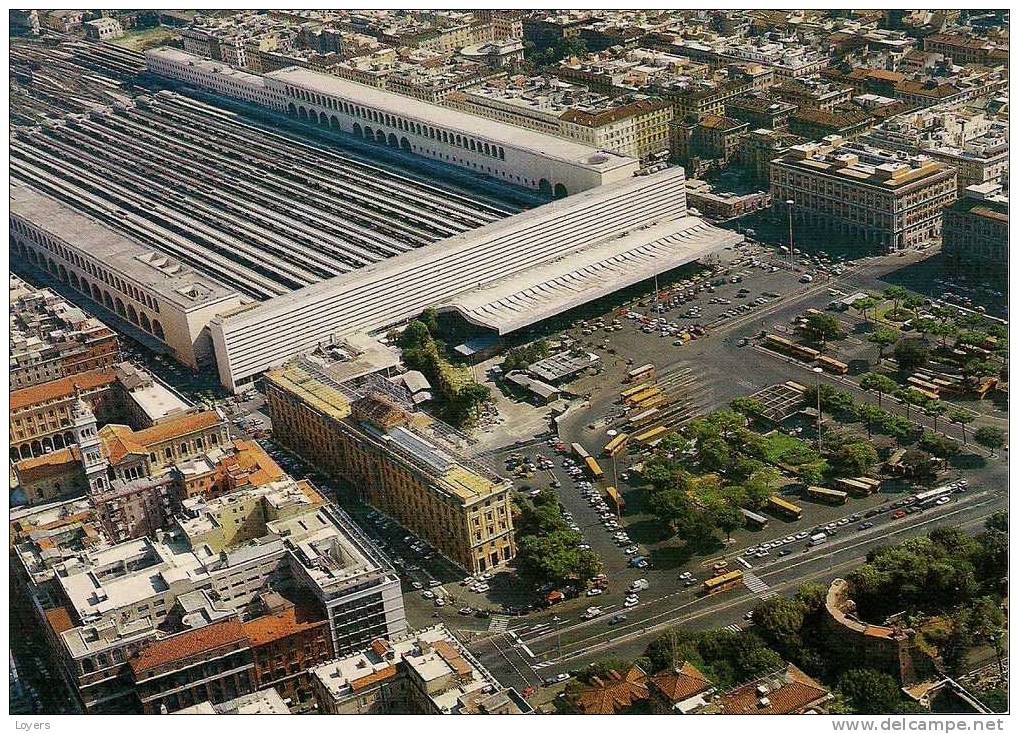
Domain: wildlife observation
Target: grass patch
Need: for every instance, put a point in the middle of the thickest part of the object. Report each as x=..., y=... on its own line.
x=144, y=40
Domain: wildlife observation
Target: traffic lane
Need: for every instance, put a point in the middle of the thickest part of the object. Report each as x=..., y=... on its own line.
x=631, y=638
x=788, y=568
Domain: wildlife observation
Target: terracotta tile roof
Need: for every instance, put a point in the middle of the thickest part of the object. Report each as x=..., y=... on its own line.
x=271, y=627
x=379, y=675
x=118, y=442
x=59, y=619
x=181, y=425
x=795, y=693
x=253, y=459
x=381, y=646
x=62, y=388
x=453, y=658
x=52, y=464
x=681, y=683
x=189, y=644
x=614, y=694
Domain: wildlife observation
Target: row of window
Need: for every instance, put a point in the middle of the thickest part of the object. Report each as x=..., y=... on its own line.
x=400, y=123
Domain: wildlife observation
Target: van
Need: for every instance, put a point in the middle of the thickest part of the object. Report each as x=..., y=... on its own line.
x=817, y=539
x=639, y=585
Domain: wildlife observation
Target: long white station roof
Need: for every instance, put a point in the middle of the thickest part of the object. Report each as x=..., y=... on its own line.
x=543, y=291
x=569, y=251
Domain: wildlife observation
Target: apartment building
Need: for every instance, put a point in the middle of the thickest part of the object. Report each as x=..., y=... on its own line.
x=51, y=338
x=103, y=604
x=975, y=234
x=40, y=415
x=425, y=672
x=400, y=461
x=630, y=125
x=872, y=197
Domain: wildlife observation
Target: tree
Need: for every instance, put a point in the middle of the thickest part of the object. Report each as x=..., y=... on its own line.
x=714, y=455
x=989, y=624
x=870, y=414
x=868, y=691
x=909, y=397
x=747, y=406
x=415, y=336
x=880, y=384
x=895, y=294
x=821, y=327
x=934, y=408
x=990, y=438
x=430, y=318
x=863, y=305
x=911, y=354
x=938, y=445
x=884, y=338
x=855, y=459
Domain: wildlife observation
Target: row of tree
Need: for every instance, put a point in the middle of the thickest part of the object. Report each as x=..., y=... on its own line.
x=422, y=350
x=547, y=548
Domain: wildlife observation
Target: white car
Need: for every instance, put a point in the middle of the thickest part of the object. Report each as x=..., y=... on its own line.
x=428, y=594
x=631, y=601
x=943, y=500
x=440, y=602
x=481, y=588
x=595, y=592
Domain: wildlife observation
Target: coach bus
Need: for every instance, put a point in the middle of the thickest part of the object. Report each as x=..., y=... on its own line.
x=616, y=445
x=759, y=522
x=784, y=507
x=831, y=496
x=579, y=451
x=651, y=437
x=857, y=486
x=641, y=374
x=594, y=469
x=725, y=582
x=832, y=365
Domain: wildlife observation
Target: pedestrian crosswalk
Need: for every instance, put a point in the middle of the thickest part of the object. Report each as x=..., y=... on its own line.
x=754, y=583
x=733, y=628
x=543, y=664
x=498, y=623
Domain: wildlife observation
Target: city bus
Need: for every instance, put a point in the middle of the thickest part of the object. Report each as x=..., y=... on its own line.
x=832, y=365
x=651, y=437
x=831, y=496
x=631, y=391
x=642, y=417
x=594, y=469
x=615, y=446
x=725, y=582
x=655, y=401
x=784, y=507
x=932, y=495
x=856, y=486
x=579, y=451
x=616, y=499
x=641, y=374
x=759, y=522
x=643, y=395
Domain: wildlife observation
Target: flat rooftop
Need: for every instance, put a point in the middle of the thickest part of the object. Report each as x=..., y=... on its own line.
x=508, y=136
x=157, y=272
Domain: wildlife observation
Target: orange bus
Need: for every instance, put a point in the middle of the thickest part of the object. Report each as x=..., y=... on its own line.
x=594, y=469
x=725, y=582
x=784, y=507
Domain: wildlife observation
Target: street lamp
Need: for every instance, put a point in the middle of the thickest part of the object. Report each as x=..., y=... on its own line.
x=558, y=638
x=817, y=384
x=789, y=208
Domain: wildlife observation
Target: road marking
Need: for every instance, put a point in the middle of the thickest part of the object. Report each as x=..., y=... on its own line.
x=526, y=649
x=498, y=623
x=733, y=628
x=754, y=583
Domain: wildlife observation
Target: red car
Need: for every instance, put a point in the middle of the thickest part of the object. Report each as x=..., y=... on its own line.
x=898, y=514
x=529, y=691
